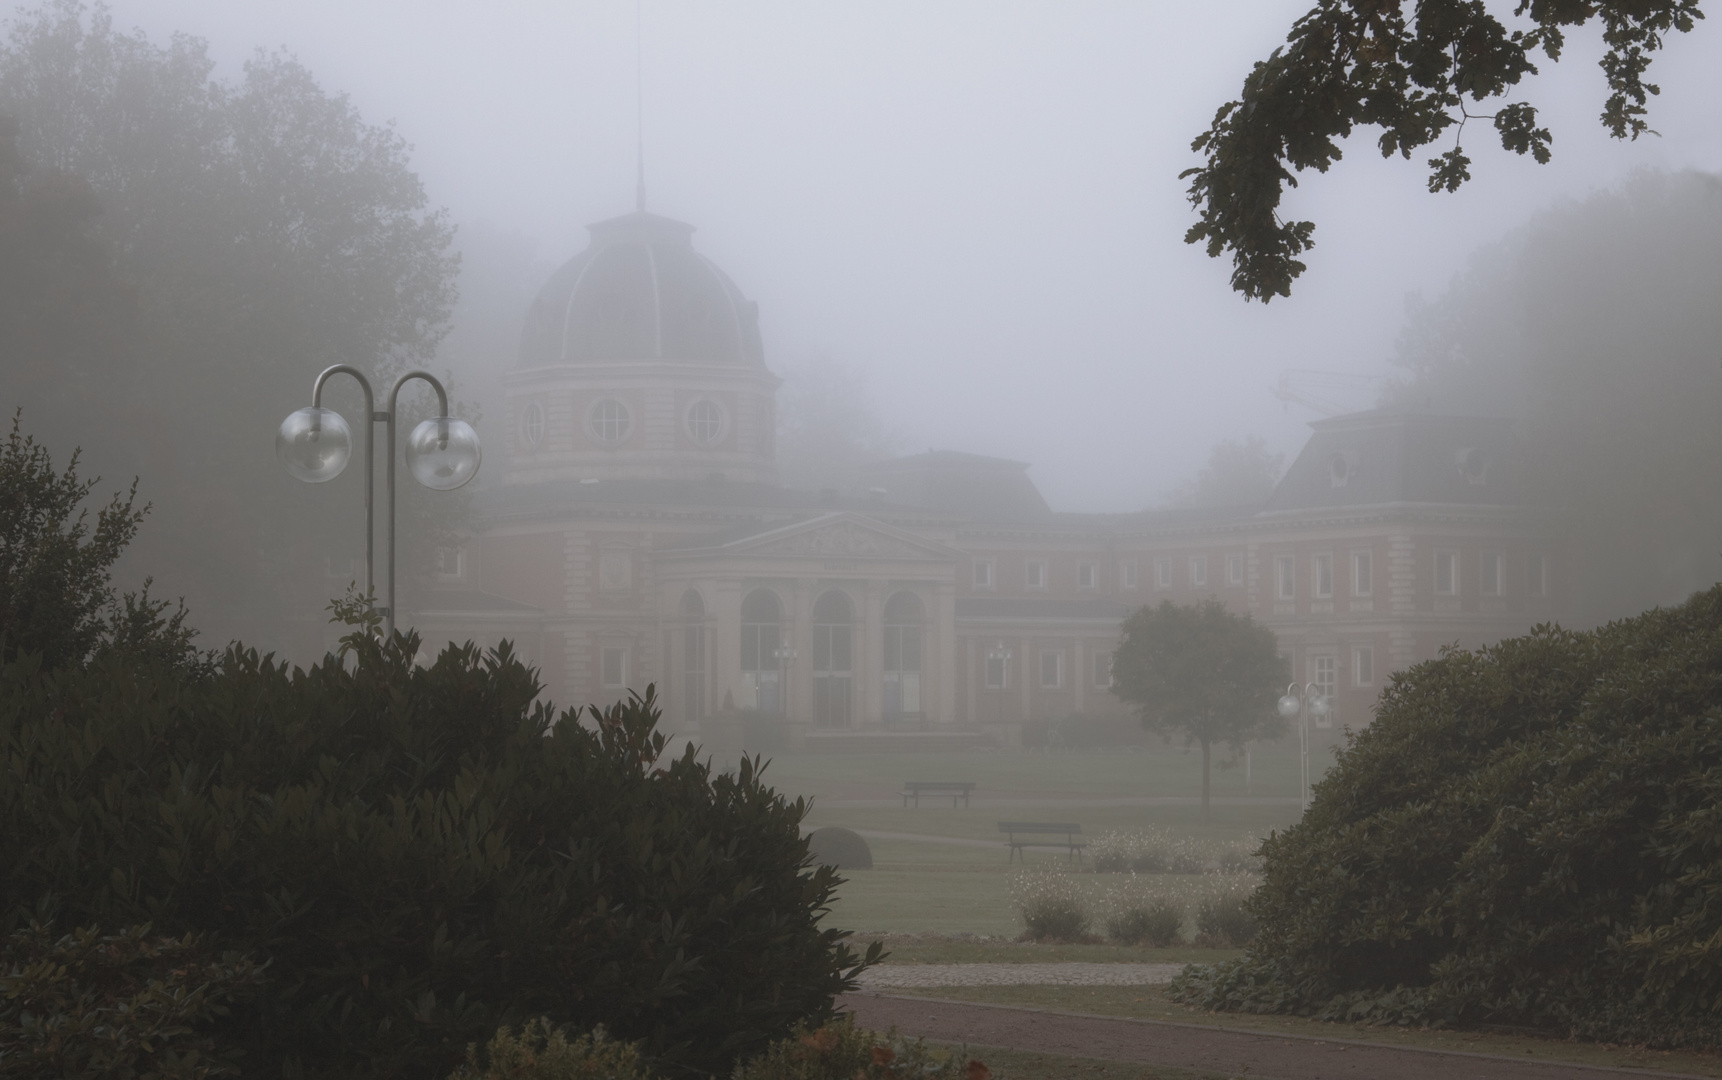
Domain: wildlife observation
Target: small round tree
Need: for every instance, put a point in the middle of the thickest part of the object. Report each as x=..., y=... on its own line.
x=1202, y=672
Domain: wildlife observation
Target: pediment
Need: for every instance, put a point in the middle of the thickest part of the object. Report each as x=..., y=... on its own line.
x=841, y=536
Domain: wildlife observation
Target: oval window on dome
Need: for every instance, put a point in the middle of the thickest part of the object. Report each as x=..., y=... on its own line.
x=532, y=425
x=610, y=421
x=705, y=422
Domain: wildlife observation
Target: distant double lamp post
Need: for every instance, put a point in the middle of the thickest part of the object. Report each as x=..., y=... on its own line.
x=315, y=444
x=1302, y=701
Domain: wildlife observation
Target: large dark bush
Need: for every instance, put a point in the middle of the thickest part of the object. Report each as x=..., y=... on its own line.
x=416, y=856
x=1528, y=834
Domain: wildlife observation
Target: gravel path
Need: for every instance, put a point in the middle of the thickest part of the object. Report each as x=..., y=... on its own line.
x=1228, y=1052
x=1066, y=974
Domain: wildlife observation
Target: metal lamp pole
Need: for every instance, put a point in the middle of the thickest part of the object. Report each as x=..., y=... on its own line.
x=315, y=444
x=1303, y=700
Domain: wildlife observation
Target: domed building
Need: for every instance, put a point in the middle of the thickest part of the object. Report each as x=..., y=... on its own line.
x=632, y=532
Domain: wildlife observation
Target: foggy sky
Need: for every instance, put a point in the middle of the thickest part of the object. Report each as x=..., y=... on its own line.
x=976, y=203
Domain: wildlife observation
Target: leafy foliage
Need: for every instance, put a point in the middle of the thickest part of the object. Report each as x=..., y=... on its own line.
x=198, y=250
x=1054, y=906
x=544, y=1052
x=89, y=1005
x=841, y=1051
x=1361, y=62
x=1595, y=325
x=1236, y=474
x=420, y=855
x=1527, y=834
x=55, y=596
x=1202, y=672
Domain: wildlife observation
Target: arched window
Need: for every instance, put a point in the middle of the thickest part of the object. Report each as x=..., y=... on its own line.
x=532, y=424
x=761, y=633
x=833, y=658
x=610, y=421
x=693, y=610
x=905, y=618
x=705, y=421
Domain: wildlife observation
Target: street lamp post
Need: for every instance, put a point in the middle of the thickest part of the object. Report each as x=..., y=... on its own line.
x=315, y=444
x=1304, y=701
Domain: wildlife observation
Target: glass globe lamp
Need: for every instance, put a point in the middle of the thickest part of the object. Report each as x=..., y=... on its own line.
x=1320, y=707
x=315, y=444
x=1288, y=706
x=443, y=453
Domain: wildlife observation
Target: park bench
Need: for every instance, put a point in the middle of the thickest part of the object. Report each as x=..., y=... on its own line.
x=1016, y=831
x=956, y=789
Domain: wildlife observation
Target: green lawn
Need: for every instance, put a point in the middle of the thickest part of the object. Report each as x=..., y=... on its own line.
x=1157, y=772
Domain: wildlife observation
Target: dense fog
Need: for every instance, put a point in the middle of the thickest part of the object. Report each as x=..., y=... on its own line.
x=962, y=225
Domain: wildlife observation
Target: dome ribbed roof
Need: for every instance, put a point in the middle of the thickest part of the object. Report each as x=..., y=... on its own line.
x=640, y=292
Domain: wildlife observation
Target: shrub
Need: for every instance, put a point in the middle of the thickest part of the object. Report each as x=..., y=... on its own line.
x=1225, y=921
x=1527, y=834
x=89, y=1005
x=1153, y=909
x=1156, y=850
x=1053, y=905
x=1151, y=922
x=845, y=849
x=419, y=855
x=842, y=1051
x=543, y=1052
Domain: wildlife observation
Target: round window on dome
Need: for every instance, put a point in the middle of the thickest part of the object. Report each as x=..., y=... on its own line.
x=705, y=422
x=532, y=425
x=610, y=421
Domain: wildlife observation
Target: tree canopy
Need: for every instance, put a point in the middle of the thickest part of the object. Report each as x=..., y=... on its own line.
x=1202, y=672
x=1595, y=326
x=244, y=234
x=1413, y=74
x=1236, y=474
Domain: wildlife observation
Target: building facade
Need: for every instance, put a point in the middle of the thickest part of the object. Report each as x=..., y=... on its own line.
x=637, y=535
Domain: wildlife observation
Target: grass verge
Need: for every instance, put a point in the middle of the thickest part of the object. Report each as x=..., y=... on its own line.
x=1151, y=1003
x=1023, y=1065
x=941, y=949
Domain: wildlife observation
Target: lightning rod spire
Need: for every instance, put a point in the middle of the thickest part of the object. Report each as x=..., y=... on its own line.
x=639, y=118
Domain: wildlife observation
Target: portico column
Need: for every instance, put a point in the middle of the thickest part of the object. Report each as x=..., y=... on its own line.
x=939, y=695
x=724, y=619
x=869, y=656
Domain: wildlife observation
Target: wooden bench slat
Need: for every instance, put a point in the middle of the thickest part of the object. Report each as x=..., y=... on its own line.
x=1042, y=828
x=956, y=789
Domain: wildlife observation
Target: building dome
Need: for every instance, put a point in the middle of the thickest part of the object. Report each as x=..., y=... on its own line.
x=640, y=292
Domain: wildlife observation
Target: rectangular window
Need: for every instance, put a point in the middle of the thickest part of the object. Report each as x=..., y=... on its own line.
x=1127, y=573
x=1362, y=574
x=1086, y=575
x=1447, y=573
x=1051, y=670
x=1322, y=567
x=998, y=661
x=1199, y=570
x=1363, y=665
x=450, y=563
x=1162, y=573
x=1034, y=574
x=1536, y=575
x=1489, y=574
x=983, y=573
x=1324, y=673
x=1102, y=670
x=1285, y=577
x=1234, y=569
x=614, y=674
x=615, y=570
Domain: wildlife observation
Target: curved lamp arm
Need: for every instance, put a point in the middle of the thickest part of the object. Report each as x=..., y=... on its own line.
x=371, y=416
